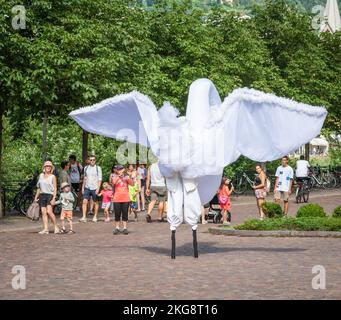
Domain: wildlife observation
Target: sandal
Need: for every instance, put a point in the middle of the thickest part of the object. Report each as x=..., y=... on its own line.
x=62, y=231
x=71, y=232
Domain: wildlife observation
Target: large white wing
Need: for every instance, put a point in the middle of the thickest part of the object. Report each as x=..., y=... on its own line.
x=130, y=117
x=260, y=126
x=264, y=127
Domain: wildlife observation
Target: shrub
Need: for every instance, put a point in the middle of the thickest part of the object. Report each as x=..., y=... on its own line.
x=337, y=212
x=310, y=211
x=291, y=223
x=272, y=210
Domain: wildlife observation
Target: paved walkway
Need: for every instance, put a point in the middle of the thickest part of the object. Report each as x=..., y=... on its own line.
x=94, y=264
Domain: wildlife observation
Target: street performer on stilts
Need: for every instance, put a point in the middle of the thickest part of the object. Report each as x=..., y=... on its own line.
x=193, y=150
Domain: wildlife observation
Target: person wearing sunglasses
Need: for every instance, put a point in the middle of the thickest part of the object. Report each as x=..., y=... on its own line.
x=91, y=186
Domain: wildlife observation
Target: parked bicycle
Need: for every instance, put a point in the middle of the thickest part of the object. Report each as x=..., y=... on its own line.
x=320, y=178
x=241, y=183
x=302, y=189
x=24, y=195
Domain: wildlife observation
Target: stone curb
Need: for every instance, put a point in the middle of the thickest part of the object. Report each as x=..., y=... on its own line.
x=275, y=233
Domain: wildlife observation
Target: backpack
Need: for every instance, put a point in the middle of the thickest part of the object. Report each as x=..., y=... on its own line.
x=33, y=211
x=223, y=199
x=86, y=168
x=267, y=185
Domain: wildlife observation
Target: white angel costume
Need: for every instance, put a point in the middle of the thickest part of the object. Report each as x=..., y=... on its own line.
x=193, y=150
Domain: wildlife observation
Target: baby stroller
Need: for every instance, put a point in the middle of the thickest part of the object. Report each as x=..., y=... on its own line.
x=214, y=212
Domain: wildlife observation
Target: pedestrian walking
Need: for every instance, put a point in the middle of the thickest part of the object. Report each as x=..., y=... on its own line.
x=107, y=196
x=259, y=188
x=156, y=189
x=91, y=186
x=283, y=184
x=46, y=196
x=121, y=199
x=224, y=194
x=67, y=200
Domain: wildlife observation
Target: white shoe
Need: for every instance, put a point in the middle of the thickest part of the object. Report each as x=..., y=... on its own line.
x=205, y=222
x=226, y=223
x=83, y=220
x=94, y=220
x=44, y=232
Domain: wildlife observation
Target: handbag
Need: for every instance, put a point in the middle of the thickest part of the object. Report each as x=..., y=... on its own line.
x=223, y=199
x=33, y=211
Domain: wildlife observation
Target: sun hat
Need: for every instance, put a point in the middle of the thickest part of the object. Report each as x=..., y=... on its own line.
x=119, y=167
x=64, y=184
x=48, y=163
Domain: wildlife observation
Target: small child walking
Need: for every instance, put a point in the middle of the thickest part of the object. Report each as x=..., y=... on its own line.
x=224, y=194
x=107, y=195
x=133, y=193
x=67, y=200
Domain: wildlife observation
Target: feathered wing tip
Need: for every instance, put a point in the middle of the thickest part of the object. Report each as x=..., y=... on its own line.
x=118, y=98
x=259, y=97
x=168, y=115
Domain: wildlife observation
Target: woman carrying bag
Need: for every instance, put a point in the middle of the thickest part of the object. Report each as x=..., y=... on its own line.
x=46, y=196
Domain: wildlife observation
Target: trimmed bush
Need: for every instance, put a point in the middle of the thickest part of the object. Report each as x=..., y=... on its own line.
x=337, y=212
x=310, y=211
x=299, y=224
x=272, y=210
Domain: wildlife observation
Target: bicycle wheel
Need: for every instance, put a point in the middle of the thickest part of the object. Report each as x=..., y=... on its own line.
x=16, y=200
x=239, y=186
x=298, y=195
x=25, y=202
x=331, y=181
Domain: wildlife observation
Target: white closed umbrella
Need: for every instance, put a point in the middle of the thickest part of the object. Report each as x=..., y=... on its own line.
x=331, y=17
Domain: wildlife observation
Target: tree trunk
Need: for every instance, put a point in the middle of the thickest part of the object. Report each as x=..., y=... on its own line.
x=2, y=211
x=307, y=151
x=44, y=146
x=85, y=146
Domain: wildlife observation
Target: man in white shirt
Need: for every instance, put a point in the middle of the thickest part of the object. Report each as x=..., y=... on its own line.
x=91, y=186
x=302, y=168
x=283, y=184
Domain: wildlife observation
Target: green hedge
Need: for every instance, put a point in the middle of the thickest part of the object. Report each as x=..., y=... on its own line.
x=337, y=212
x=310, y=210
x=272, y=210
x=299, y=224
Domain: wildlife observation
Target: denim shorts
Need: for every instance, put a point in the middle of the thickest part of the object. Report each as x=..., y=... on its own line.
x=90, y=194
x=133, y=205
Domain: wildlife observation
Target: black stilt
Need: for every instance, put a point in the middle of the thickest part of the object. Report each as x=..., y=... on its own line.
x=195, y=244
x=173, y=245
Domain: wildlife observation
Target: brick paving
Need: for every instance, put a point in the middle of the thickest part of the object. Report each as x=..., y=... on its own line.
x=94, y=264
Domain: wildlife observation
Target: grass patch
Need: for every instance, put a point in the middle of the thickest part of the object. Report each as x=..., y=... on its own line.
x=291, y=223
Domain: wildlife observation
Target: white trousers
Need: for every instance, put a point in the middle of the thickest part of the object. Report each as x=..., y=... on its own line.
x=183, y=202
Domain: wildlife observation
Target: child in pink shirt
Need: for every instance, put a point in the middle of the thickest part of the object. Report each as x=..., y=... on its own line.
x=224, y=193
x=106, y=195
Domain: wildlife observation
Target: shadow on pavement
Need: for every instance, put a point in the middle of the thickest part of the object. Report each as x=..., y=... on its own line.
x=208, y=247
